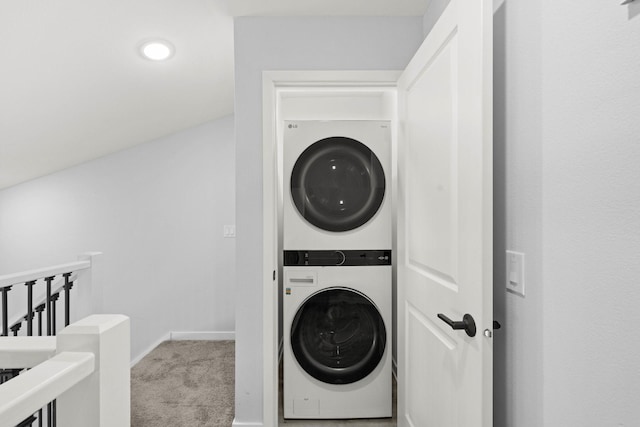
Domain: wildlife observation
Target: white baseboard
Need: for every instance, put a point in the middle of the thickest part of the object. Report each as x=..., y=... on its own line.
x=181, y=336
x=139, y=357
x=244, y=424
x=203, y=336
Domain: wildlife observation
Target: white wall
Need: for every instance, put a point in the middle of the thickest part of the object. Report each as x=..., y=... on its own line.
x=156, y=211
x=591, y=213
x=567, y=189
x=374, y=43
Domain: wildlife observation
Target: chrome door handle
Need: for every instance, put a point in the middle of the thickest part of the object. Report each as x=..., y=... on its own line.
x=467, y=323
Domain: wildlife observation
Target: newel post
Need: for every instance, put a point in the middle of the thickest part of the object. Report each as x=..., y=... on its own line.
x=103, y=398
x=88, y=292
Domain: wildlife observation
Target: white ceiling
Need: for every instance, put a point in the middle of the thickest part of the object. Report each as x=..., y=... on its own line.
x=73, y=87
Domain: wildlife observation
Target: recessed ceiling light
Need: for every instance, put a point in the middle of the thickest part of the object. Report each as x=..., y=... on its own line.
x=157, y=50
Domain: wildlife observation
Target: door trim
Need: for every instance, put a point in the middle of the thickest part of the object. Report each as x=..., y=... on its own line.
x=272, y=82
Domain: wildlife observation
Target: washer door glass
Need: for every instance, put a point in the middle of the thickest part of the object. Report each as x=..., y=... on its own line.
x=337, y=184
x=338, y=336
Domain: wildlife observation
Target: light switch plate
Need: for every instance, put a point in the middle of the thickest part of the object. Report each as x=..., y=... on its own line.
x=515, y=272
x=229, y=231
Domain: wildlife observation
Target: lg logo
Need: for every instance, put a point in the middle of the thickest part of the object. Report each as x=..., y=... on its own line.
x=292, y=126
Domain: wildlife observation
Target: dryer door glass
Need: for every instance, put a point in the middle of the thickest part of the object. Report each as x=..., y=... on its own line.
x=338, y=336
x=337, y=184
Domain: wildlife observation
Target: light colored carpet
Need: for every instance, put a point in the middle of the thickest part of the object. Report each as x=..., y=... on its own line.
x=191, y=383
x=184, y=383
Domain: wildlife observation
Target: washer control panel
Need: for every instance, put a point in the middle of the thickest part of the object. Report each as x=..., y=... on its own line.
x=338, y=257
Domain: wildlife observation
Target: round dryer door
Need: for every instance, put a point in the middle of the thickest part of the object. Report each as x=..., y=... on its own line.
x=338, y=336
x=337, y=184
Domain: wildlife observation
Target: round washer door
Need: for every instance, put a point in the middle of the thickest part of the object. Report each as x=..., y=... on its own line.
x=338, y=336
x=337, y=184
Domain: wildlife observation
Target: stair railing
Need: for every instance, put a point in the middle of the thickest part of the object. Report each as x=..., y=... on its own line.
x=56, y=280
x=85, y=369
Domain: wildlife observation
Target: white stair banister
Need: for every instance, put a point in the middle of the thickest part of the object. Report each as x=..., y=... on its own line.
x=26, y=393
x=103, y=398
x=85, y=276
x=25, y=352
x=25, y=276
x=88, y=376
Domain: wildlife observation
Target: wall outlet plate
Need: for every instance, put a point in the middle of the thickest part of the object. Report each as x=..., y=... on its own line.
x=515, y=273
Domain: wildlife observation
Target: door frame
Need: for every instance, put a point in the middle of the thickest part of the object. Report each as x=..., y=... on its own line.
x=272, y=83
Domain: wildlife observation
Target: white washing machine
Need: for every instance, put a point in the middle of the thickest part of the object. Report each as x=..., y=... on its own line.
x=337, y=334
x=337, y=182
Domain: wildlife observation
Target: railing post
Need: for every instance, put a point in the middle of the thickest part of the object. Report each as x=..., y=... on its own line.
x=39, y=310
x=105, y=394
x=16, y=327
x=48, y=280
x=29, y=316
x=68, y=285
x=5, y=311
x=54, y=299
x=28, y=422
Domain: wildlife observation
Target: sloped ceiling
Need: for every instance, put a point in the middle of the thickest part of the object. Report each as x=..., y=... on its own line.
x=73, y=86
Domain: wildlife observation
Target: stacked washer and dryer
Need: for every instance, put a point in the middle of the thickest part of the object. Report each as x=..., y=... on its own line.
x=337, y=313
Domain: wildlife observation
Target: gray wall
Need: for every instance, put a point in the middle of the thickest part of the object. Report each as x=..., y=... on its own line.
x=374, y=43
x=568, y=195
x=434, y=10
x=591, y=213
x=156, y=212
x=518, y=370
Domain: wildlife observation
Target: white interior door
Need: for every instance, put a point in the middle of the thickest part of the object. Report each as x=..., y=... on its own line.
x=445, y=223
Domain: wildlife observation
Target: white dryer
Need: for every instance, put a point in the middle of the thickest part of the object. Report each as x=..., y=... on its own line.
x=337, y=182
x=337, y=334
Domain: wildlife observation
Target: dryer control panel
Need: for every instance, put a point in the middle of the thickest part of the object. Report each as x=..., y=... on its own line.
x=337, y=257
